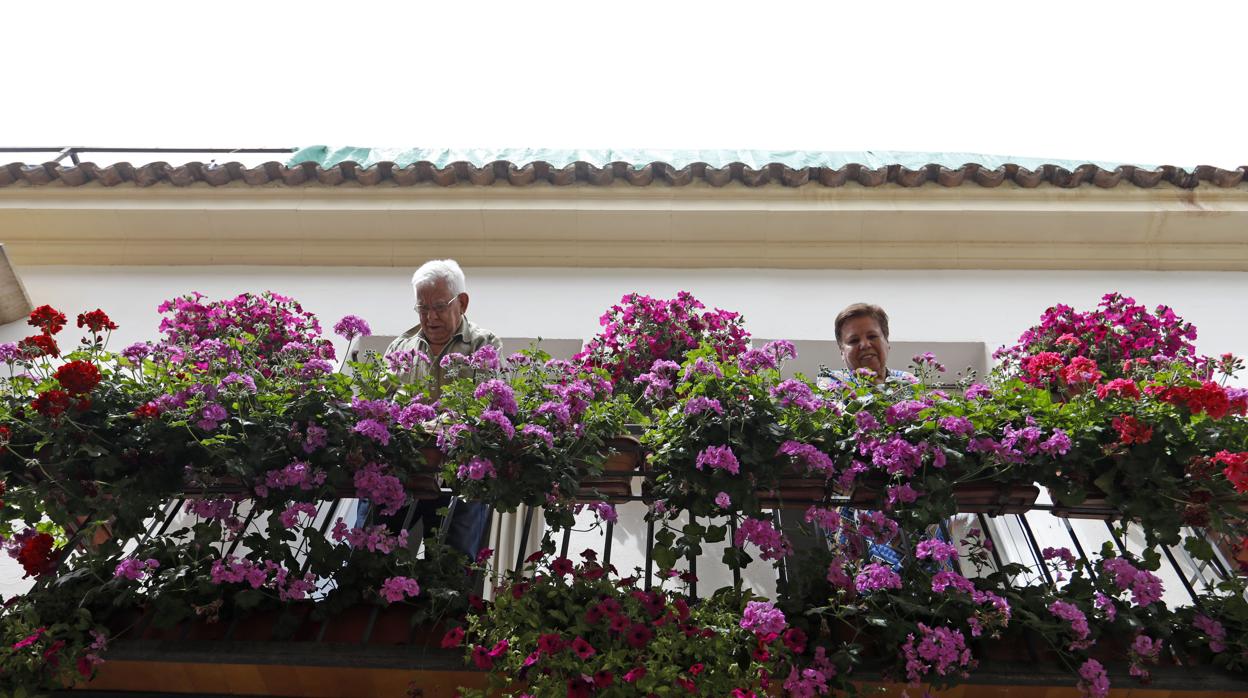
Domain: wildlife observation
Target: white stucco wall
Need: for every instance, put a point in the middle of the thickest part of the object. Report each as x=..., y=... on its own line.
x=986, y=306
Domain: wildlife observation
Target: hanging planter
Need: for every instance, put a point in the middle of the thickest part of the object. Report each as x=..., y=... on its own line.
x=795, y=490
x=625, y=458
x=1095, y=506
x=980, y=497
x=424, y=484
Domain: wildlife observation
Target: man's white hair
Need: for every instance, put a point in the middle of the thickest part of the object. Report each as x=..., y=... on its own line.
x=440, y=269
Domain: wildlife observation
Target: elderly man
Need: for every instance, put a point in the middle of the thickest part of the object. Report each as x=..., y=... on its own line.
x=442, y=304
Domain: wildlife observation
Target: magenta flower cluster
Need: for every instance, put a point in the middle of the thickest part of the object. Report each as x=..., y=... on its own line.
x=395, y=589
x=771, y=543
x=269, y=574
x=763, y=619
x=1118, y=330
x=718, y=457
x=939, y=649
x=134, y=569
x=386, y=491
x=1145, y=587
x=640, y=330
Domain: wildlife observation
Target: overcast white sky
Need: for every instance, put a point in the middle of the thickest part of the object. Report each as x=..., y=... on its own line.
x=1150, y=83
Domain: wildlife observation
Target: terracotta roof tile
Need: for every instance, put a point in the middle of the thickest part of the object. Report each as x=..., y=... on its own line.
x=580, y=172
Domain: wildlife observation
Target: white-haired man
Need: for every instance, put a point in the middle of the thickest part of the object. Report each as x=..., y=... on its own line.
x=442, y=304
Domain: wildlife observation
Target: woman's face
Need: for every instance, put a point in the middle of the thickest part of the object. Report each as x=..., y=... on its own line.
x=863, y=345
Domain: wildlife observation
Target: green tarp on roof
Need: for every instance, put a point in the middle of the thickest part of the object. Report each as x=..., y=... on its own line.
x=327, y=156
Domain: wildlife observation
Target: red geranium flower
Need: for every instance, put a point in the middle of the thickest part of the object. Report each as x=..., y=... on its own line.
x=51, y=403
x=38, y=345
x=1122, y=387
x=1236, y=468
x=36, y=555
x=48, y=319
x=97, y=321
x=146, y=411
x=1132, y=430
x=1081, y=370
x=78, y=377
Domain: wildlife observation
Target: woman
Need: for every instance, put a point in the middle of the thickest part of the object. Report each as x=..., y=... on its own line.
x=862, y=336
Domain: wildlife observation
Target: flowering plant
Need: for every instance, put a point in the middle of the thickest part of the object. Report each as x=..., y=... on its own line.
x=252, y=424
x=1122, y=338
x=732, y=435
x=50, y=642
x=908, y=449
x=577, y=629
x=525, y=430
x=640, y=330
x=1165, y=450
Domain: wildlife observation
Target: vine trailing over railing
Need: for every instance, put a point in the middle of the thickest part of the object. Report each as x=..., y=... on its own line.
x=239, y=408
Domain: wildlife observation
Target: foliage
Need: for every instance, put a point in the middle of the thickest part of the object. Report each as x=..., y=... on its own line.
x=578, y=630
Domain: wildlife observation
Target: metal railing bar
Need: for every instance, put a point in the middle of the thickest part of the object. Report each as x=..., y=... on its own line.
x=1187, y=584
x=1217, y=554
x=732, y=536
x=1035, y=549
x=781, y=569
x=649, y=551
x=1070, y=530
x=606, y=549
x=992, y=548
x=566, y=543
x=1113, y=532
x=524, y=540
x=173, y=514
x=693, y=568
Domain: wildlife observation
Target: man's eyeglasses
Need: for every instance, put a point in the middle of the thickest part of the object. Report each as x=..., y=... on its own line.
x=438, y=309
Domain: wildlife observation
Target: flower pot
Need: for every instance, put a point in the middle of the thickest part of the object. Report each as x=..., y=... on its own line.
x=981, y=497
x=425, y=483
x=256, y=626
x=1095, y=506
x=348, y=626
x=101, y=535
x=995, y=499
x=427, y=635
x=393, y=625
x=795, y=490
x=625, y=458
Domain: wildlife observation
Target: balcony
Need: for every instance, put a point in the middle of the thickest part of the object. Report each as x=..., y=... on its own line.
x=198, y=500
